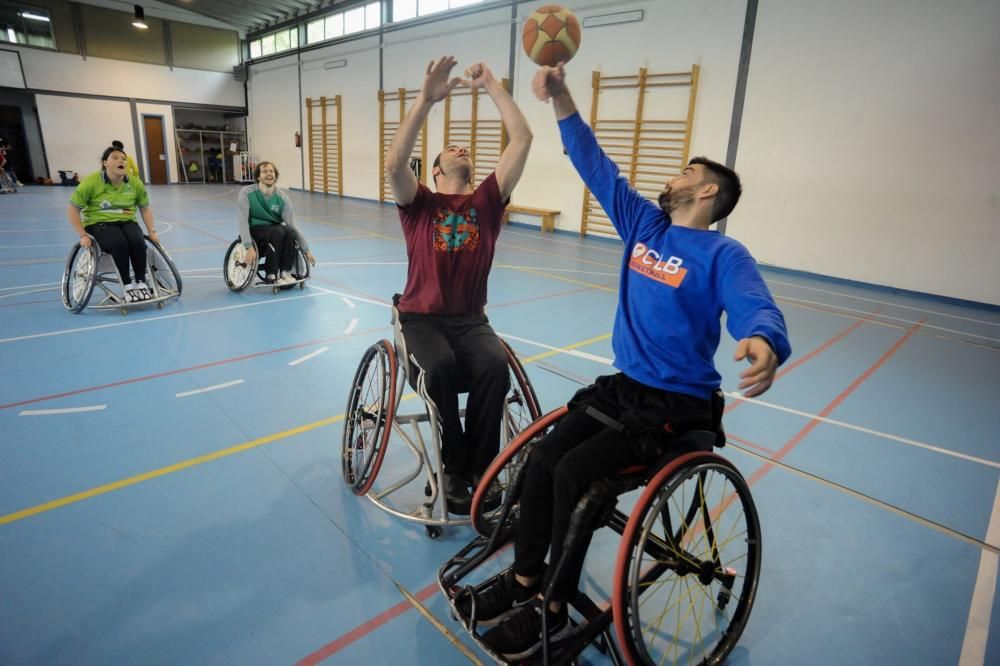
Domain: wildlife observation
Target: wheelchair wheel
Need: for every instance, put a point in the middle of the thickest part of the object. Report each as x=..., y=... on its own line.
x=237, y=274
x=687, y=568
x=80, y=275
x=507, y=469
x=522, y=403
x=163, y=273
x=371, y=407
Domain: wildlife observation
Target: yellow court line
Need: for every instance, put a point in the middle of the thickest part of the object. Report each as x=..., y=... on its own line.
x=575, y=345
x=239, y=448
x=163, y=471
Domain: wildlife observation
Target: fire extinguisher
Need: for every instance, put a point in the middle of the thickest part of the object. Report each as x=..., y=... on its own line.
x=298, y=140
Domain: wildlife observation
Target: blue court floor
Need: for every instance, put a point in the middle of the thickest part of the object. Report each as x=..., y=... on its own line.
x=171, y=488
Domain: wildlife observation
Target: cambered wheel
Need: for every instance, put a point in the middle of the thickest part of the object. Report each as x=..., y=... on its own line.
x=687, y=568
x=371, y=407
x=80, y=276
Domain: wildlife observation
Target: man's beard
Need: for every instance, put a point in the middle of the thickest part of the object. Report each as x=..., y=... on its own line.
x=671, y=199
x=460, y=169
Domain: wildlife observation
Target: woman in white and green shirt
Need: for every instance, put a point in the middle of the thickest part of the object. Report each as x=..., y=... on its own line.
x=266, y=216
x=104, y=205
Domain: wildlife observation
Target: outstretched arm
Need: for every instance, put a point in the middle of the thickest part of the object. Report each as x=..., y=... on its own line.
x=511, y=164
x=626, y=208
x=436, y=87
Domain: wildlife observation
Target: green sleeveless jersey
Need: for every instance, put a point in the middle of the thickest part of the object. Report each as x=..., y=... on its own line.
x=265, y=210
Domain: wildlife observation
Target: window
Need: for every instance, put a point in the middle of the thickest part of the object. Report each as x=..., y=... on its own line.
x=354, y=20
x=403, y=10
x=277, y=42
x=334, y=26
x=314, y=32
x=373, y=15
x=21, y=24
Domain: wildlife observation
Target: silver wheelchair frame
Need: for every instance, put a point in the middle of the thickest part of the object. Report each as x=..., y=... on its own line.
x=90, y=268
x=372, y=417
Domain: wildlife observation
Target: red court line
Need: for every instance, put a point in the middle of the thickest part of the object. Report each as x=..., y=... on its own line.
x=201, y=366
x=809, y=427
x=364, y=629
x=814, y=353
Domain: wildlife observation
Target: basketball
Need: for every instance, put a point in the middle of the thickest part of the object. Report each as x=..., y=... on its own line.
x=551, y=35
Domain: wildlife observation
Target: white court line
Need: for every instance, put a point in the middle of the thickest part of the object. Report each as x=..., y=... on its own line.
x=511, y=232
x=184, y=394
x=348, y=302
x=82, y=329
x=308, y=356
x=350, y=327
x=895, y=305
x=868, y=431
x=64, y=410
x=30, y=291
x=556, y=270
x=19, y=247
x=570, y=352
x=32, y=231
x=977, y=629
x=883, y=316
x=361, y=263
x=29, y=286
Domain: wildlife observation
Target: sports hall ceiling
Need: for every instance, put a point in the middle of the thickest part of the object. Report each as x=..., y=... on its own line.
x=253, y=15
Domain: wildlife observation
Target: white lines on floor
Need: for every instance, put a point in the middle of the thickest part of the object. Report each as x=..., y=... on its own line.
x=184, y=394
x=889, y=303
x=350, y=327
x=977, y=629
x=569, y=352
x=361, y=263
x=348, y=302
x=21, y=247
x=30, y=291
x=67, y=331
x=546, y=269
x=303, y=359
x=885, y=316
x=64, y=410
x=867, y=431
x=29, y=286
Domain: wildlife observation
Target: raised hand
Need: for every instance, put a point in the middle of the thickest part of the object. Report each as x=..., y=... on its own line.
x=478, y=75
x=437, y=85
x=549, y=82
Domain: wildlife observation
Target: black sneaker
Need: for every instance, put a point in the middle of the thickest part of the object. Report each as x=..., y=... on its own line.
x=520, y=634
x=497, y=601
x=493, y=496
x=457, y=495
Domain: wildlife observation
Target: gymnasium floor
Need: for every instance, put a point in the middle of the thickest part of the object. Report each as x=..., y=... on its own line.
x=169, y=527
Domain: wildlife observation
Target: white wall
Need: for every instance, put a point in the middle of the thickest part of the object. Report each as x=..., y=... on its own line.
x=274, y=117
x=870, y=143
x=67, y=72
x=77, y=130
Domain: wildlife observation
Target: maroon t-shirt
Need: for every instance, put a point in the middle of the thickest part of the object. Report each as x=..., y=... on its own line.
x=450, y=242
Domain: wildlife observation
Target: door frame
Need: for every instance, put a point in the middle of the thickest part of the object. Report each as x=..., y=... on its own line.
x=145, y=141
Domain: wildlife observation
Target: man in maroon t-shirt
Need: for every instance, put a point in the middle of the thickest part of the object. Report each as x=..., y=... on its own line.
x=450, y=241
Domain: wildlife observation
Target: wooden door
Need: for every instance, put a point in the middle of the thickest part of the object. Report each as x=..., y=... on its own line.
x=156, y=152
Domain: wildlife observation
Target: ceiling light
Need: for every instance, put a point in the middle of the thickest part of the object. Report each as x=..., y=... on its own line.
x=33, y=17
x=140, y=18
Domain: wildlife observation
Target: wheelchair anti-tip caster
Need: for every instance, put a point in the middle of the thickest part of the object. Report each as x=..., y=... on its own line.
x=434, y=531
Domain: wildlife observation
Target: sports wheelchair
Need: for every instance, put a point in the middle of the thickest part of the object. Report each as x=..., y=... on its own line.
x=238, y=275
x=687, y=567
x=87, y=268
x=372, y=417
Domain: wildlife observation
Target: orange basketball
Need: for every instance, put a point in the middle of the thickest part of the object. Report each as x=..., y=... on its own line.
x=551, y=35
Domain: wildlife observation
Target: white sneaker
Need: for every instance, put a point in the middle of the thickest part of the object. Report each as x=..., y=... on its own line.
x=130, y=293
x=270, y=279
x=285, y=278
x=143, y=291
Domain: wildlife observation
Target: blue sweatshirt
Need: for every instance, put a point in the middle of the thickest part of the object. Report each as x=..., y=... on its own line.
x=675, y=283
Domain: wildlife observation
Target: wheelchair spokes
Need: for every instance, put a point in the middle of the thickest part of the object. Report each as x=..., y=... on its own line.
x=697, y=548
x=369, y=408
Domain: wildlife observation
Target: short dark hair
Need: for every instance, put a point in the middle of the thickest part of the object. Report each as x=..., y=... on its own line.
x=729, y=186
x=256, y=170
x=111, y=149
x=118, y=144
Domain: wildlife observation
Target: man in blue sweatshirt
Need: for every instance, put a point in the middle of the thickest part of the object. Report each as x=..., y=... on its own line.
x=678, y=276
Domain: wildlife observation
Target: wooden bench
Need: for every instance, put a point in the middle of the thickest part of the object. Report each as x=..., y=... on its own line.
x=548, y=216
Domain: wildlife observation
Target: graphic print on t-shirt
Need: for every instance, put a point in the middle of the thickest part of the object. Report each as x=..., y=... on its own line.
x=455, y=232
